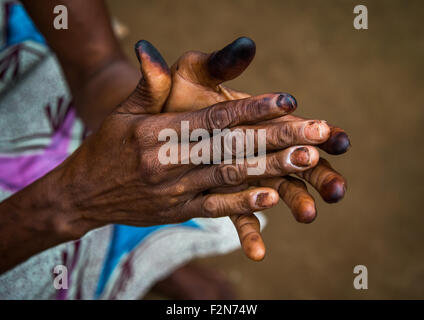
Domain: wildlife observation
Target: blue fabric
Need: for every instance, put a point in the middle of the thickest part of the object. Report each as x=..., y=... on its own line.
x=20, y=27
x=125, y=239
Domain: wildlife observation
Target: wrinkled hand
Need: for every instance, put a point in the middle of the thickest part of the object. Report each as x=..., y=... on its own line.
x=197, y=82
x=116, y=176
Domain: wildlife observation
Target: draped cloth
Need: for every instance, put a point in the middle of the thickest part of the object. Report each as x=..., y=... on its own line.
x=40, y=129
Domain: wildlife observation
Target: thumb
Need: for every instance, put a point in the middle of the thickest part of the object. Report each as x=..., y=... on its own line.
x=229, y=62
x=155, y=84
x=219, y=66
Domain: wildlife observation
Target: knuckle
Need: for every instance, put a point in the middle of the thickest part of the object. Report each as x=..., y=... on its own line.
x=234, y=143
x=177, y=190
x=276, y=164
x=211, y=207
x=286, y=134
x=232, y=174
x=150, y=170
x=218, y=117
x=142, y=133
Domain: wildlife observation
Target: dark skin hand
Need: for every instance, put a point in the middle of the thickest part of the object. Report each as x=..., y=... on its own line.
x=116, y=177
x=202, y=75
x=100, y=78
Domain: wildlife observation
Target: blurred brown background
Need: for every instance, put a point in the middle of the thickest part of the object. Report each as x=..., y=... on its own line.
x=366, y=81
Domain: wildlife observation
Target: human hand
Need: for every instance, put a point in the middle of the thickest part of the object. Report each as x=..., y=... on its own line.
x=116, y=176
x=197, y=82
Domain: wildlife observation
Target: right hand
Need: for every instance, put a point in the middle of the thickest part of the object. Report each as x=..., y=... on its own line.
x=197, y=79
x=116, y=177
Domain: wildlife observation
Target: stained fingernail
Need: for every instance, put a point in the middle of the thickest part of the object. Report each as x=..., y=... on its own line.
x=333, y=191
x=146, y=47
x=338, y=143
x=230, y=61
x=263, y=200
x=287, y=102
x=301, y=157
x=316, y=130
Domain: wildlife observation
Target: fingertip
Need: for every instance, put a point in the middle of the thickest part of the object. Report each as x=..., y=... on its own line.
x=316, y=131
x=242, y=47
x=273, y=196
x=258, y=254
x=232, y=60
x=338, y=143
x=314, y=155
x=145, y=47
x=306, y=212
x=254, y=247
x=287, y=102
x=264, y=198
x=304, y=157
x=333, y=191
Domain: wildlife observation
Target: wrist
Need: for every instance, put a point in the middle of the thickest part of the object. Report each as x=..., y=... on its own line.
x=44, y=207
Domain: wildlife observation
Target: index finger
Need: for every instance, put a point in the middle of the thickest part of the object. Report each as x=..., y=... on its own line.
x=228, y=114
x=337, y=143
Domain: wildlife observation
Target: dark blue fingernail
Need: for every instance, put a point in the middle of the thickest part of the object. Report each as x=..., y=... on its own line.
x=287, y=102
x=146, y=47
x=229, y=62
x=338, y=143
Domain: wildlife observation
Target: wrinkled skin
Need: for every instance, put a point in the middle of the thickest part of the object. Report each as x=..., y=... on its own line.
x=197, y=82
x=116, y=177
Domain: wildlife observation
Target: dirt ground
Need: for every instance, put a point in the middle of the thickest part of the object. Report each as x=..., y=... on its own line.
x=368, y=82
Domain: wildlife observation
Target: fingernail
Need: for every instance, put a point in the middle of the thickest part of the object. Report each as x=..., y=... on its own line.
x=316, y=130
x=300, y=157
x=262, y=200
x=146, y=47
x=338, y=143
x=333, y=191
x=287, y=102
x=228, y=62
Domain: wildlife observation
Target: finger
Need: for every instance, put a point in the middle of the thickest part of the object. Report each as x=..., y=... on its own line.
x=228, y=114
x=229, y=62
x=217, y=205
x=197, y=76
x=329, y=183
x=337, y=143
x=290, y=160
x=155, y=84
x=295, y=195
x=234, y=142
x=248, y=230
x=212, y=69
x=247, y=227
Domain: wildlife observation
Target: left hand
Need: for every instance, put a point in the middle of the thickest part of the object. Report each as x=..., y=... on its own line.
x=197, y=82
